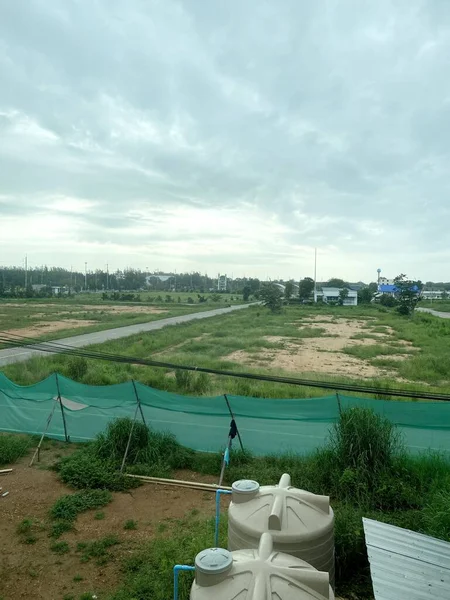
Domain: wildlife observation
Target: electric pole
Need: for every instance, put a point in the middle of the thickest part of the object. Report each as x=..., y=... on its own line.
x=85, y=276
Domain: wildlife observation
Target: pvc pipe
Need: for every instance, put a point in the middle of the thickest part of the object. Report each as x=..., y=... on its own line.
x=216, y=534
x=176, y=570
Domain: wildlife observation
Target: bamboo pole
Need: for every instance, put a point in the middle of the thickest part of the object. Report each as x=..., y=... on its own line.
x=4, y=471
x=49, y=419
x=198, y=485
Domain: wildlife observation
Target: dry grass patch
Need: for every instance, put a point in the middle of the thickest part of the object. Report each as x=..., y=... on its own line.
x=328, y=353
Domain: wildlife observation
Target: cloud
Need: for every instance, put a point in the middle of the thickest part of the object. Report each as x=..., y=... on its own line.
x=227, y=136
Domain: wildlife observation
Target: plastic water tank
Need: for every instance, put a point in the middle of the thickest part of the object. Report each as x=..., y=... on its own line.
x=301, y=523
x=260, y=574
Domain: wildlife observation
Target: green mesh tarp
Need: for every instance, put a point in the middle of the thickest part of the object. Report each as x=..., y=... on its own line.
x=267, y=426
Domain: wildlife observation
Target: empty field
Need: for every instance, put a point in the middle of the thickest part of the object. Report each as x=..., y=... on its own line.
x=61, y=317
x=368, y=345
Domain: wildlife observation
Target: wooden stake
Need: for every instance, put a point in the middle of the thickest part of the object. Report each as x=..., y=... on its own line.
x=195, y=485
x=49, y=420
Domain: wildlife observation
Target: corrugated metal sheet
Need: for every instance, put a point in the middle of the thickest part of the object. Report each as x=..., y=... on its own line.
x=405, y=565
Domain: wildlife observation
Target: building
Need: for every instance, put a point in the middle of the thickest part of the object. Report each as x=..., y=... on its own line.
x=221, y=283
x=331, y=295
x=434, y=294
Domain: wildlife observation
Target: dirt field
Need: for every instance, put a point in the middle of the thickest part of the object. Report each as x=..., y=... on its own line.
x=45, y=327
x=34, y=571
x=326, y=354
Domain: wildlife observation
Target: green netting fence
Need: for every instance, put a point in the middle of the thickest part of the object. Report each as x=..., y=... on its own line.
x=267, y=426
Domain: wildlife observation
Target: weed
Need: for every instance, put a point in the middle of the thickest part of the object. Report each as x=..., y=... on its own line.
x=68, y=507
x=30, y=539
x=12, y=447
x=84, y=470
x=60, y=547
x=112, y=444
x=98, y=549
x=77, y=578
x=99, y=516
x=69, y=597
x=25, y=526
x=77, y=368
x=130, y=524
x=60, y=527
x=162, y=527
x=33, y=573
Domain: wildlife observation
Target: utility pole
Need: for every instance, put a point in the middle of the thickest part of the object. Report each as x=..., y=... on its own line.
x=107, y=277
x=315, y=274
x=70, y=289
x=26, y=271
x=85, y=276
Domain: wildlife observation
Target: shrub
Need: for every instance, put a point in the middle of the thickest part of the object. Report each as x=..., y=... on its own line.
x=130, y=525
x=112, y=444
x=77, y=368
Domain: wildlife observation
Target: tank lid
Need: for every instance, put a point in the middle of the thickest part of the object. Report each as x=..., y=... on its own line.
x=213, y=561
x=245, y=486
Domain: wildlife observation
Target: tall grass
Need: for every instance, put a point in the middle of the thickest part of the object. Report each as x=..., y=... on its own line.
x=12, y=447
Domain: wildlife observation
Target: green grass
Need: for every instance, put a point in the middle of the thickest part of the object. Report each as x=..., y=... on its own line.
x=209, y=343
x=77, y=578
x=99, y=516
x=98, y=549
x=60, y=547
x=21, y=313
x=66, y=510
x=148, y=572
x=12, y=447
x=27, y=530
x=130, y=525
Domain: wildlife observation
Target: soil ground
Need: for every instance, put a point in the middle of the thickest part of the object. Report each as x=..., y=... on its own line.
x=325, y=354
x=34, y=571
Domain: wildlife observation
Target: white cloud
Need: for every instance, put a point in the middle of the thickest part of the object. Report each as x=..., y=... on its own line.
x=227, y=136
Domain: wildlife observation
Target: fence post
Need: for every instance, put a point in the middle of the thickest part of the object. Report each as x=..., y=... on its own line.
x=138, y=401
x=339, y=403
x=232, y=416
x=62, y=409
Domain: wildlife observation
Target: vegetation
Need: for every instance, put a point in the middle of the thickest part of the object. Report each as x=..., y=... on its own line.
x=130, y=525
x=98, y=549
x=60, y=547
x=12, y=447
x=212, y=342
x=407, y=297
x=305, y=288
x=65, y=510
x=272, y=297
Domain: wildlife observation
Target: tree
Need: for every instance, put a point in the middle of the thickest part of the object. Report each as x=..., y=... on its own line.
x=365, y=296
x=305, y=288
x=407, y=294
x=271, y=297
x=335, y=282
x=247, y=290
x=343, y=295
x=288, y=290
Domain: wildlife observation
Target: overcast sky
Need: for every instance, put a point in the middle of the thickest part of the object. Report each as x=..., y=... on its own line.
x=227, y=136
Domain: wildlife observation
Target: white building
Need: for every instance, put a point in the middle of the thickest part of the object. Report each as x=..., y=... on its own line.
x=221, y=283
x=433, y=294
x=331, y=295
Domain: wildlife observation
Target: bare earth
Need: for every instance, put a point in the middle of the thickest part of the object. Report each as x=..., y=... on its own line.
x=33, y=571
x=50, y=327
x=324, y=354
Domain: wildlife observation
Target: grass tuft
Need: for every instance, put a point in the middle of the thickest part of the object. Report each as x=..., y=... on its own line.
x=130, y=525
x=98, y=549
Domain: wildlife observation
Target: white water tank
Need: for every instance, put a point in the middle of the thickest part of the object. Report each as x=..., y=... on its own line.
x=301, y=523
x=258, y=574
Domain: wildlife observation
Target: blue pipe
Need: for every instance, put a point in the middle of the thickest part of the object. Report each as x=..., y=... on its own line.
x=176, y=570
x=216, y=534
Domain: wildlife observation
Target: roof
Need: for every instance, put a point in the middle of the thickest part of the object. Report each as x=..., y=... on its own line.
x=386, y=288
x=405, y=564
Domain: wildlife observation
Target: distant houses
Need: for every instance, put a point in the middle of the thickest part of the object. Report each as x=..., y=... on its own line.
x=334, y=295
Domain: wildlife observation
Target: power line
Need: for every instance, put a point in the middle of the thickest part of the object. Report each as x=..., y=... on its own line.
x=57, y=348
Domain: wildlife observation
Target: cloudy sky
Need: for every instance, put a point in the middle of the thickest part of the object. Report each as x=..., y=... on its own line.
x=227, y=135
